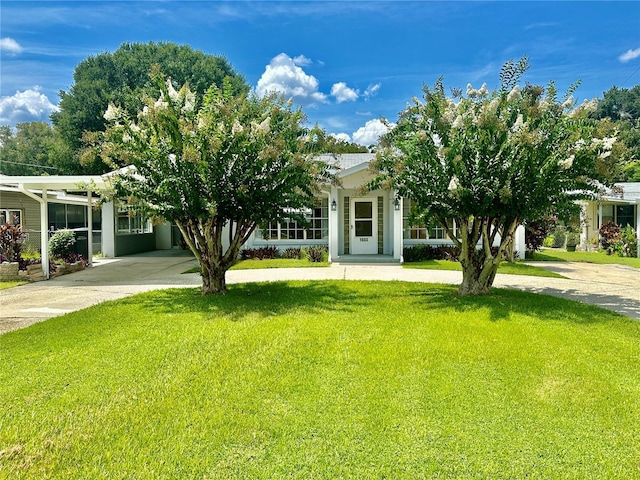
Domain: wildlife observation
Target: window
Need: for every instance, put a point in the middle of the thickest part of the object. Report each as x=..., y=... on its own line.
x=11, y=216
x=317, y=229
x=623, y=215
x=129, y=221
x=421, y=231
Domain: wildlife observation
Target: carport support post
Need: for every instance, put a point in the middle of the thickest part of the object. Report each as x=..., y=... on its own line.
x=90, y=229
x=638, y=226
x=44, y=235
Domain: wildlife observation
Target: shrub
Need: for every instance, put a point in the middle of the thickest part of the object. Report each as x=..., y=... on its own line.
x=557, y=237
x=627, y=245
x=61, y=243
x=536, y=231
x=573, y=239
x=260, y=253
x=11, y=240
x=294, y=253
x=419, y=253
x=609, y=236
x=549, y=241
x=317, y=254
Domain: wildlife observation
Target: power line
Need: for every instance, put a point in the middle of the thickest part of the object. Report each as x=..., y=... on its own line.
x=29, y=164
x=634, y=72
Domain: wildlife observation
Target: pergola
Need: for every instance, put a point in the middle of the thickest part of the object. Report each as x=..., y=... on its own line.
x=36, y=187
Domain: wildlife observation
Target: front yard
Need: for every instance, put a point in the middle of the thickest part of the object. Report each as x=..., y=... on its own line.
x=328, y=379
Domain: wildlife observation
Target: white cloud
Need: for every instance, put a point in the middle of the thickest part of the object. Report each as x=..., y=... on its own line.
x=344, y=93
x=302, y=61
x=26, y=106
x=372, y=90
x=282, y=75
x=629, y=55
x=370, y=133
x=341, y=136
x=10, y=46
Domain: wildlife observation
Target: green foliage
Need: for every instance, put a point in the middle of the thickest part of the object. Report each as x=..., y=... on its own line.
x=323, y=380
x=61, y=243
x=123, y=78
x=316, y=253
x=421, y=252
x=28, y=150
x=234, y=163
x=609, y=236
x=623, y=241
x=11, y=241
x=491, y=160
x=319, y=142
x=536, y=231
x=260, y=253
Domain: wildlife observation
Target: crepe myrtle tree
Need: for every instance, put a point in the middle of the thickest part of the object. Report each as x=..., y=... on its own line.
x=236, y=162
x=489, y=161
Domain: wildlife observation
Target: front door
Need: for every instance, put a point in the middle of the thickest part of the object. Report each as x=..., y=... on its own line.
x=364, y=226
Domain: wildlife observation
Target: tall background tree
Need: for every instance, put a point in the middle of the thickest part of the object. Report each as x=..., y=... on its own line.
x=218, y=166
x=481, y=164
x=122, y=79
x=29, y=149
x=619, y=111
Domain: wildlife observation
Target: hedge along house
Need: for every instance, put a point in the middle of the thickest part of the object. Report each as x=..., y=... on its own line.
x=620, y=204
x=48, y=203
x=354, y=225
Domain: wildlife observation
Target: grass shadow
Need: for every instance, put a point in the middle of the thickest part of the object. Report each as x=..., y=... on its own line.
x=504, y=304
x=265, y=299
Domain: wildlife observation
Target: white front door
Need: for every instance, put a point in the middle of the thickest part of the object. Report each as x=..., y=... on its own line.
x=364, y=226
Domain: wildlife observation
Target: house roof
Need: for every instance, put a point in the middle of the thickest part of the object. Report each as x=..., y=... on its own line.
x=624, y=192
x=347, y=163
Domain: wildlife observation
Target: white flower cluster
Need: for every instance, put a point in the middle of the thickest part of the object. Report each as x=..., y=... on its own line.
x=605, y=144
x=112, y=113
x=587, y=106
x=472, y=92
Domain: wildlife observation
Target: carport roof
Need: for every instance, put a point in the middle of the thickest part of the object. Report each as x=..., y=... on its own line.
x=73, y=183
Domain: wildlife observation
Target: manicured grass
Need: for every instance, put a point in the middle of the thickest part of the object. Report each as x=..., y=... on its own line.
x=11, y=284
x=269, y=263
x=505, y=267
x=323, y=380
x=553, y=255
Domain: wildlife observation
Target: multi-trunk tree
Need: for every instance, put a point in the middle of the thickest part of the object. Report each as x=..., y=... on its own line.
x=482, y=163
x=218, y=167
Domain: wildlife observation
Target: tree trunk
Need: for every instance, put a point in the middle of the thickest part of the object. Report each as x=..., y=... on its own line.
x=477, y=278
x=213, y=279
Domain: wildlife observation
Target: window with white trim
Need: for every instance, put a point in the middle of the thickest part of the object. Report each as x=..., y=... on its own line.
x=12, y=216
x=317, y=228
x=421, y=231
x=128, y=222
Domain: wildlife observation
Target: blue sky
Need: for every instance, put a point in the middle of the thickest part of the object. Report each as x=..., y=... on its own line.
x=346, y=63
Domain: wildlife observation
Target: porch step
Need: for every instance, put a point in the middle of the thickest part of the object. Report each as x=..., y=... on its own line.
x=366, y=260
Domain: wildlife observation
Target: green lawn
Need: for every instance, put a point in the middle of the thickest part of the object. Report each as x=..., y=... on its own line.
x=554, y=255
x=269, y=263
x=11, y=284
x=505, y=267
x=323, y=380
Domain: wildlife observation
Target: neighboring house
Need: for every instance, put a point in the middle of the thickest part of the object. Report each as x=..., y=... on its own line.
x=350, y=222
x=620, y=204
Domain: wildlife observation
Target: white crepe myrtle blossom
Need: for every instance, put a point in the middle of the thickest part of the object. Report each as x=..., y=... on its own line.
x=112, y=113
x=507, y=157
x=567, y=162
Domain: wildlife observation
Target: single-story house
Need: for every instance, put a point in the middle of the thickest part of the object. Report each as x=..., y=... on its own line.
x=347, y=221
x=619, y=204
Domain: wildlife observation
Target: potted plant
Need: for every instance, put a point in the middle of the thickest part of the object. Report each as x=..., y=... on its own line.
x=572, y=240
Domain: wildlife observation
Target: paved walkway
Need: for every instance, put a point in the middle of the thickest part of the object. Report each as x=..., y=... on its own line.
x=610, y=286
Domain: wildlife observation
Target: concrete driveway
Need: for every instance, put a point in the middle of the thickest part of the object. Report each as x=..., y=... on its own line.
x=613, y=287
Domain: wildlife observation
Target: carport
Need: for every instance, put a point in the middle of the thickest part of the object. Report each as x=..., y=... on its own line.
x=36, y=187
